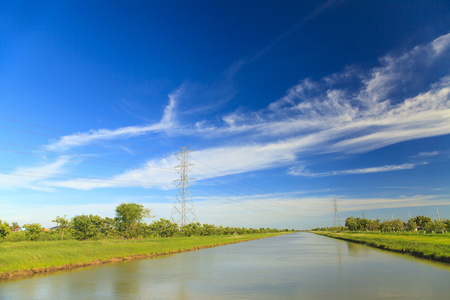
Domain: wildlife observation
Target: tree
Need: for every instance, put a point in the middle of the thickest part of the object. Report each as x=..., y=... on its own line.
x=351, y=224
x=412, y=225
x=86, y=227
x=191, y=229
x=422, y=221
x=15, y=225
x=209, y=229
x=4, y=229
x=63, y=224
x=107, y=226
x=164, y=228
x=447, y=223
x=439, y=226
x=33, y=231
x=128, y=215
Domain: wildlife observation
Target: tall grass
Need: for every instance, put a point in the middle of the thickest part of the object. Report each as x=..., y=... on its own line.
x=431, y=246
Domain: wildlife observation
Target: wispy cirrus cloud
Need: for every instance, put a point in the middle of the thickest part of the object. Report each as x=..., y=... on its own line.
x=427, y=154
x=32, y=177
x=160, y=174
x=167, y=123
x=341, y=118
x=300, y=171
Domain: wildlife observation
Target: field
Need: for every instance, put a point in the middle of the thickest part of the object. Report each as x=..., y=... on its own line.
x=28, y=258
x=431, y=246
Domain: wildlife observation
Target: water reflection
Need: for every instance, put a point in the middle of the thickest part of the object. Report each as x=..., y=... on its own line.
x=294, y=266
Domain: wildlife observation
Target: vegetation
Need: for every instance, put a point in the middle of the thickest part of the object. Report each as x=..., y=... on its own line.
x=435, y=247
x=420, y=236
x=418, y=224
x=63, y=224
x=4, y=229
x=34, y=230
x=129, y=216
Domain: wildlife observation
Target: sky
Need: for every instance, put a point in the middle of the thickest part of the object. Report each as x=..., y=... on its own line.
x=286, y=106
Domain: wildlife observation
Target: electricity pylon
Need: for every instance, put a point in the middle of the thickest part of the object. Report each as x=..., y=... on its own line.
x=183, y=209
x=336, y=220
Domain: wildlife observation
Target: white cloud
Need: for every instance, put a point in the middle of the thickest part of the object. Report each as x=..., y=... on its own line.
x=301, y=171
x=427, y=154
x=159, y=174
x=32, y=177
x=167, y=123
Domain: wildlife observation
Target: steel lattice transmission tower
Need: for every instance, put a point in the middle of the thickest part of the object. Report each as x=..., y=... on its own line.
x=336, y=220
x=183, y=209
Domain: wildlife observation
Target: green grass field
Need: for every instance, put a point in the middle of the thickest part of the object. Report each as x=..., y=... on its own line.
x=431, y=246
x=22, y=256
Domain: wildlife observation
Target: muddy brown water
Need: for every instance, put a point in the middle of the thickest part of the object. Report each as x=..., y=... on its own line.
x=293, y=266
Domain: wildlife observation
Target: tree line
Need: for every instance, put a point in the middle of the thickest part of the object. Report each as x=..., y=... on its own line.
x=419, y=223
x=128, y=223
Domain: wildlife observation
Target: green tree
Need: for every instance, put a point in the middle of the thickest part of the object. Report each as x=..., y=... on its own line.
x=209, y=229
x=164, y=228
x=15, y=225
x=128, y=215
x=63, y=224
x=351, y=224
x=86, y=227
x=439, y=226
x=33, y=231
x=422, y=221
x=107, y=226
x=411, y=225
x=4, y=229
x=191, y=229
x=447, y=223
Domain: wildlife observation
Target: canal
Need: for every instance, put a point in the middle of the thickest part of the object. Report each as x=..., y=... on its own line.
x=293, y=266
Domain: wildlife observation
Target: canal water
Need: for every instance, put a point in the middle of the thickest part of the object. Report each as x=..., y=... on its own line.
x=293, y=266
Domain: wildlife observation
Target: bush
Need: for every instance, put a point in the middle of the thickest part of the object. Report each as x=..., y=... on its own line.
x=86, y=227
x=33, y=231
x=4, y=229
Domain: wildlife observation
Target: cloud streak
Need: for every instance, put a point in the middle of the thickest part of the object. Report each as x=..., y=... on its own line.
x=299, y=171
x=33, y=177
x=167, y=122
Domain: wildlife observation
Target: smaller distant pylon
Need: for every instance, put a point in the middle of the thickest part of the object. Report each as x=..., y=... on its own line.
x=336, y=219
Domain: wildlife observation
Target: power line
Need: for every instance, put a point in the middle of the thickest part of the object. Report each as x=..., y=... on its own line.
x=88, y=160
x=246, y=206
x=272, y=203
x=26, y=173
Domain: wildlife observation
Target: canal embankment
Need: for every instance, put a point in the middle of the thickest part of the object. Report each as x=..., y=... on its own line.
x=430, y=246
x=23, y=259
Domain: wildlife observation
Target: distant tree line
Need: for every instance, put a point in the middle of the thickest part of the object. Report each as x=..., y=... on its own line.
x=128, y=223
x=419, y=223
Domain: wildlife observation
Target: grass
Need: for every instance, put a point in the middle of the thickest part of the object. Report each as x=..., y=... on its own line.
x=27, y=258
x=431, y=246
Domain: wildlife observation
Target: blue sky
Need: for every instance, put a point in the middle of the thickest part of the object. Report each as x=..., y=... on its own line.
x=287, y=106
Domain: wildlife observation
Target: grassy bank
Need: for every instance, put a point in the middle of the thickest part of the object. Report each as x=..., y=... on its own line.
x=431, y=246
x=28, y=258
